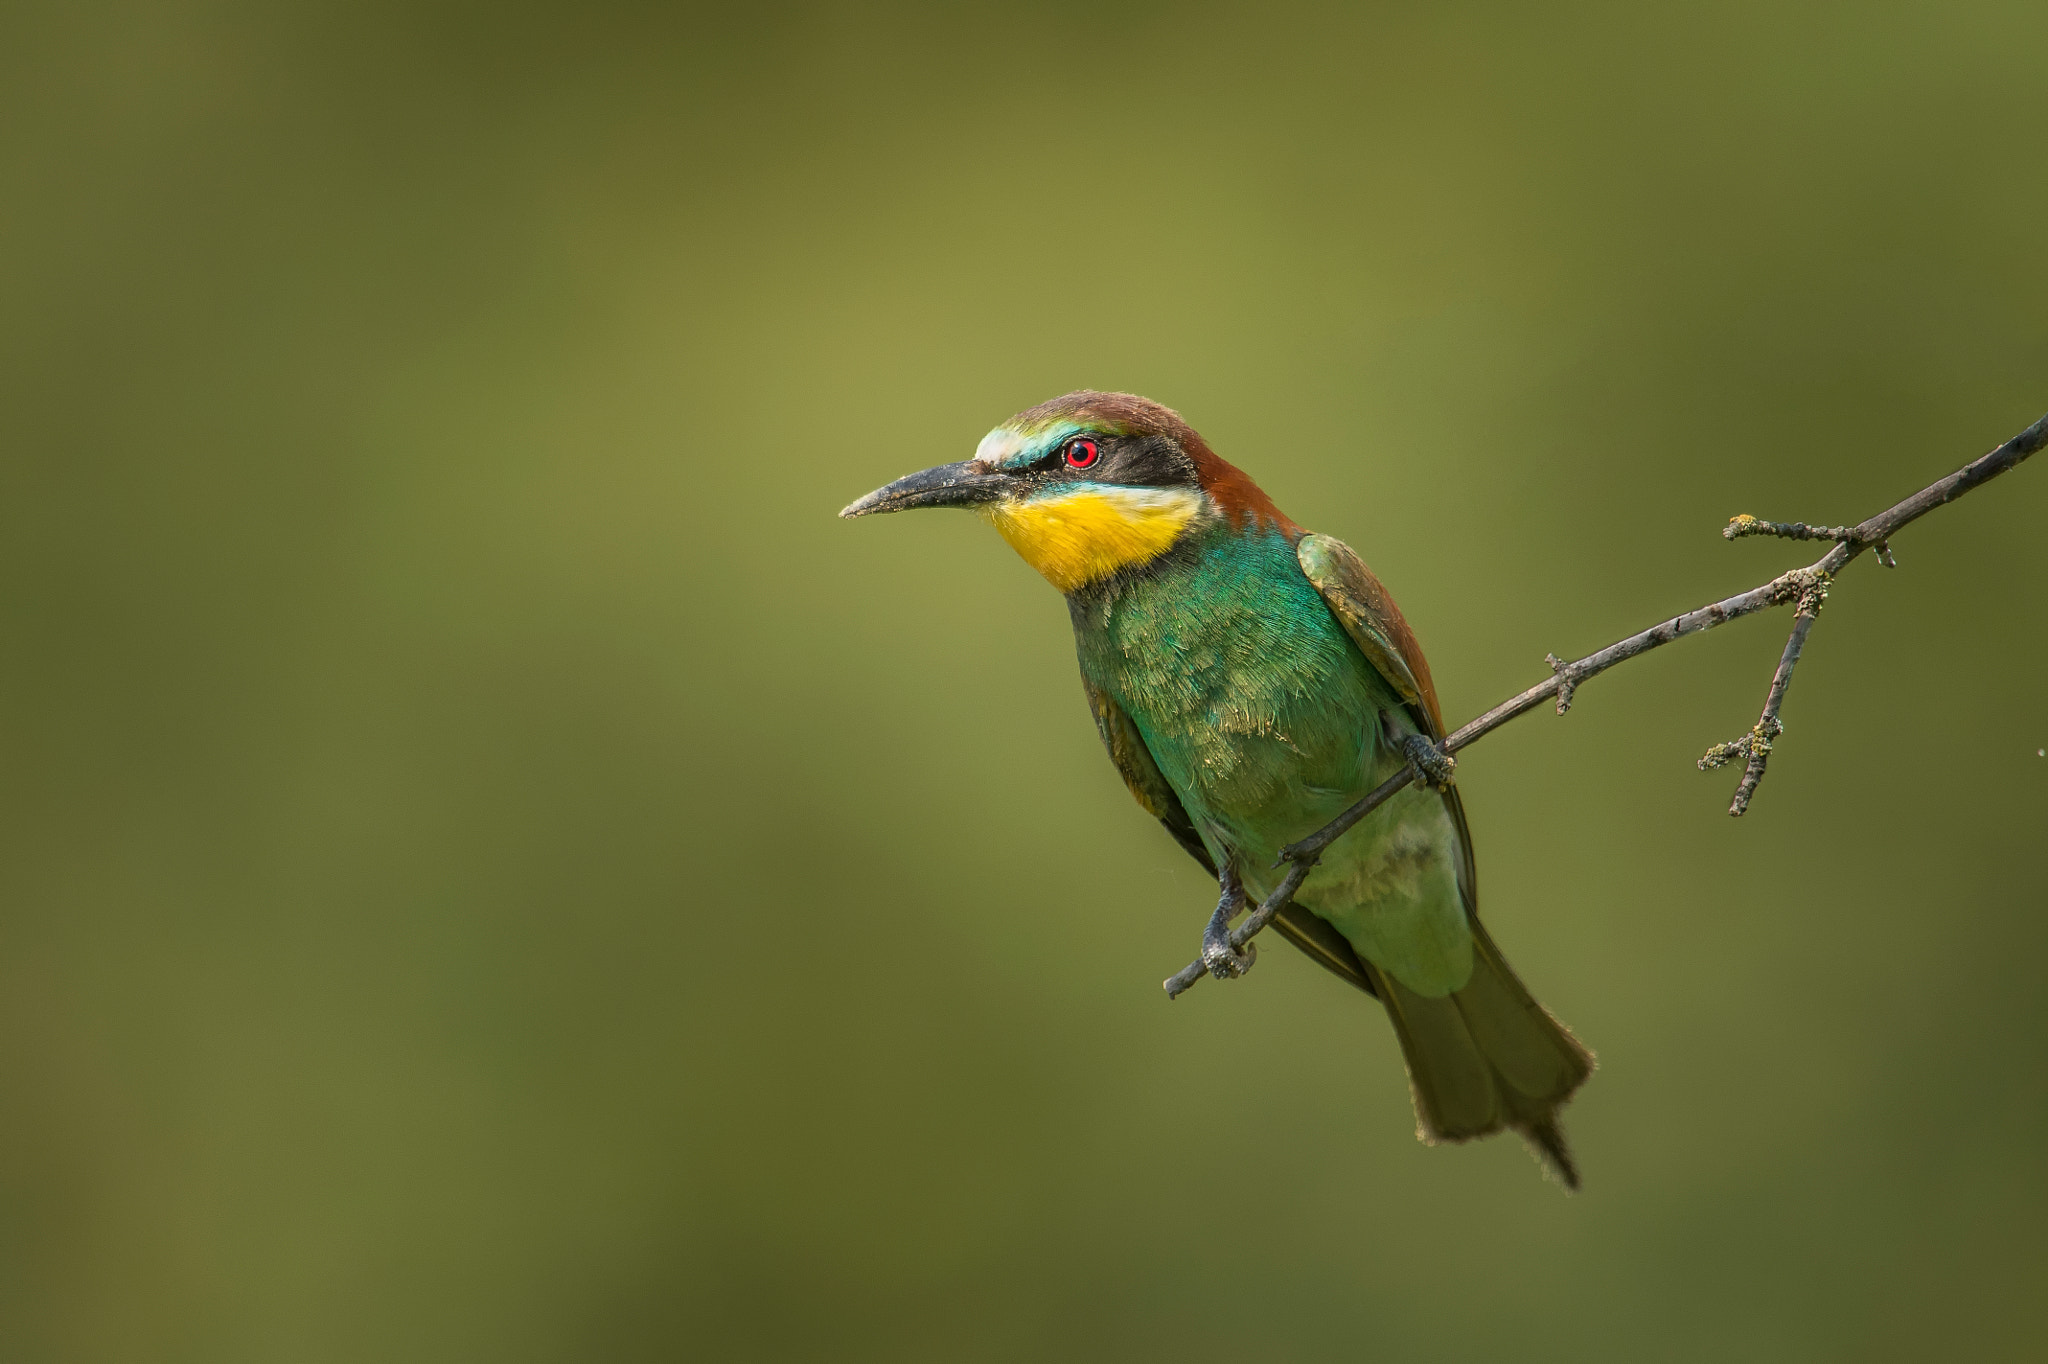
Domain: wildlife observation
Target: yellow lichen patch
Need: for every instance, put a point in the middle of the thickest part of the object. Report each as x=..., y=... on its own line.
x=1084, y=536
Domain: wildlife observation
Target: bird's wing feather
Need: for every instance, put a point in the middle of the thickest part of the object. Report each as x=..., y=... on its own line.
x=1369, y=616
x=1487, y=1055
x=1135, y=765
x=1148, y=785
x=1325, y=946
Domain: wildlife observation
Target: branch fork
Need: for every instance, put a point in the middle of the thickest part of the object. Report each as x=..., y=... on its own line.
x=1809, y=587
x=1804, y=588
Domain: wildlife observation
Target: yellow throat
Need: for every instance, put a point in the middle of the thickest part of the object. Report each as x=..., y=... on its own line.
x=1085, y=536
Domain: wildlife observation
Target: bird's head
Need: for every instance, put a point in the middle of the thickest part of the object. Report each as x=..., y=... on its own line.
x=1090, y=485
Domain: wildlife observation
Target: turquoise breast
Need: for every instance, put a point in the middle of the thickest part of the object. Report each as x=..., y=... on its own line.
x=1265, y=720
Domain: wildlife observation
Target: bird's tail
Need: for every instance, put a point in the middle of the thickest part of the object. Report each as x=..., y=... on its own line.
x=1487, y=1057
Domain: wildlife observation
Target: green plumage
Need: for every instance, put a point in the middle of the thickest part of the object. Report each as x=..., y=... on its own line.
x=1264, y=718
x=1247, y=710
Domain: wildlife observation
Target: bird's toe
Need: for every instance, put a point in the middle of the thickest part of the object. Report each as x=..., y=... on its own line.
x=1225, y=963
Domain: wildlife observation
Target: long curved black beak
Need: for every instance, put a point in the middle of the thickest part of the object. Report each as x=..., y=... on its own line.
x=950, y=485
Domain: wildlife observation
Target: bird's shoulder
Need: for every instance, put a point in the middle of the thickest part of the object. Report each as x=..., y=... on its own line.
x=1366, y=610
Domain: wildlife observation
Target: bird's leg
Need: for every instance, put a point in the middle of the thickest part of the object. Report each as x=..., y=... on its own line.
x=1435, y=765
x=1224, y=961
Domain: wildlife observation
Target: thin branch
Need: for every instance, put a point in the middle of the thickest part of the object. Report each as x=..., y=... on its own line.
x=1746, y=524
x=1807, y=587
x=1756, y=745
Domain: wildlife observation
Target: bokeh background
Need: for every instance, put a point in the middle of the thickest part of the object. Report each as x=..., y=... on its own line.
x=492, y=869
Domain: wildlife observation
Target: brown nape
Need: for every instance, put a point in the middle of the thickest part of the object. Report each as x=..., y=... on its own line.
x=1232, y=489
x=1242, y=500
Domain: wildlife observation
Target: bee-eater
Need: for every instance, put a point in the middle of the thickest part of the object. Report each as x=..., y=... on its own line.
x=1251, y=680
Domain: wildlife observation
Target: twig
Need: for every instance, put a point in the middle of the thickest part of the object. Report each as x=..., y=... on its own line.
x=1756, y=745
x=1808, y=587
x=1745, y=524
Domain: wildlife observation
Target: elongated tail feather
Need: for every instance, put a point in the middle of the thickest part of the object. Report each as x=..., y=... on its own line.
x=1487, y=1057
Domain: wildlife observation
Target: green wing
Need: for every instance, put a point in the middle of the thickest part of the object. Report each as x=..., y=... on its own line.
x=1362, y=606
x=1135, y=765
x=1368, y=614
x=1148, y=785
x=1488, y=1055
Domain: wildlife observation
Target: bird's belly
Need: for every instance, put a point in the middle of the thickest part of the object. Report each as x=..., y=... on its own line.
x=1389, y=885
x=1257, y=779
x=1261, y=761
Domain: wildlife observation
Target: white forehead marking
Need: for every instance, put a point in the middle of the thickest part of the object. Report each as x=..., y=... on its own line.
x=998, y=446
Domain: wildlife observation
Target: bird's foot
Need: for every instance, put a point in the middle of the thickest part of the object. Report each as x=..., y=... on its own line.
x=1435, y=765
x=1224, y=961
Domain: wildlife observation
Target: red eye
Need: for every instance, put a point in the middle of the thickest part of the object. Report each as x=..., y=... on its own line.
x=1081, y=453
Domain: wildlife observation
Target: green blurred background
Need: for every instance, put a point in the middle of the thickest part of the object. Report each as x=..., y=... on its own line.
x=491, y=869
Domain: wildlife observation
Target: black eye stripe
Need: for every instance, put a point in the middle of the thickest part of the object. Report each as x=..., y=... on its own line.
x=1134, y=461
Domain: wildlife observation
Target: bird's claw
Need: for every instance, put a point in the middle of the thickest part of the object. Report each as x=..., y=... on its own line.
x=1435, y=765
x=1223, y=961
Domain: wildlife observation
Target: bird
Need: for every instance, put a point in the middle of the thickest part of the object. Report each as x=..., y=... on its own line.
x=1250, y=680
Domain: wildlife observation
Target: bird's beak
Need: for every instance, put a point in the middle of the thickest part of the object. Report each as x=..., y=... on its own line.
x=966, y=484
